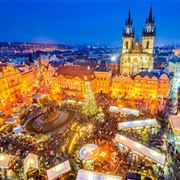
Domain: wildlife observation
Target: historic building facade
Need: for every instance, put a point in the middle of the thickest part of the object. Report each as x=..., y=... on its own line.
x=71, y=80
x=14, y=81
x=136, y=64
x=144, y=84
x=103, y=76
x=136, y=56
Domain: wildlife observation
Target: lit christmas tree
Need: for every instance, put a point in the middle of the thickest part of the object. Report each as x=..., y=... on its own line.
x=89, y=105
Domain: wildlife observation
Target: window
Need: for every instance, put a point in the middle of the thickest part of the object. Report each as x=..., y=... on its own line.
x=126, y=45
x=147, y=44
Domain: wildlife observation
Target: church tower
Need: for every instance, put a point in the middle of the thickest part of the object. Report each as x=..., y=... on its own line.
x=136, y=56
x=127, y=35
x=148, y=34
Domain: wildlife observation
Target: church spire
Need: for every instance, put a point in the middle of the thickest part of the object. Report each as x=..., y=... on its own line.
x=128, y=30
x=149, y=29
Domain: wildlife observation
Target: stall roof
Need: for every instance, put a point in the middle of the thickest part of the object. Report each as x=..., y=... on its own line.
x=154, y=155
x=11, y=120
x=4, y=159
x=31, y=161
x=139, y=123
x=89, y=175
x=134, y=112
x=36, y=96
x=58, y=170
x=175, y=120
x=17, y=129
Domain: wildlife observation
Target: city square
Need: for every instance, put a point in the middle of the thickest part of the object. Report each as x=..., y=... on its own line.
x=91, y=112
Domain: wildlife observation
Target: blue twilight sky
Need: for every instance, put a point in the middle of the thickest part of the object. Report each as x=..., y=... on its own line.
x=85, y=21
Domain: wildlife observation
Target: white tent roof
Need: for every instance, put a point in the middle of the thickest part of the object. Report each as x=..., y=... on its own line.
x=124, y=110
x=30, y=161
x=139, y=123
x=175, y=120
x=91, y=175
x=4, y=159
x=58, y=170
x=89, y=151
x=154, y=155
x=17, y=129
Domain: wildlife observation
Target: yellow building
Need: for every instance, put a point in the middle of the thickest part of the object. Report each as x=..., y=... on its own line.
x=29, y=77
x=122, y=85
x=136, y=56
x=14, y=81
x=71, y=80
x=103, y=77
x=145, y=84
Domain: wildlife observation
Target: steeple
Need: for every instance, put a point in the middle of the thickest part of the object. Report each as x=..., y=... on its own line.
x=149, y=29
x=128, y=29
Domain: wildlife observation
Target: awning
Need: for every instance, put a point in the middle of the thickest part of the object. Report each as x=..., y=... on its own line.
x=58, y=170
x=91, y=175
x=36, y=96
x=4, y=159
x=175, y=120
x=154, y=155
x=124, y=110
x=11, y=120
x=175, y=123
x=139, y=123
x=17, y=129
x=31, y=161
x=133, y=175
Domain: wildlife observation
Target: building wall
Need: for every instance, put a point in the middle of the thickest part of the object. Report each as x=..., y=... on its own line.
x=132, y=63
x=72, y=86
x=10, y=85
x=14, y=83
x=103, y=81
x=141, y=86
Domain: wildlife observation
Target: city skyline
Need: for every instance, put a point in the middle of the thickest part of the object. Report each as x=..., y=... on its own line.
x=85, y=22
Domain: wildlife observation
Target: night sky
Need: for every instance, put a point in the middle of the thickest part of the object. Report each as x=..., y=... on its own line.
x=85, y=21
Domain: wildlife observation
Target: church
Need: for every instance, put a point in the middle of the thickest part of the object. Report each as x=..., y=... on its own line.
x=137, y=76
x=137, y=56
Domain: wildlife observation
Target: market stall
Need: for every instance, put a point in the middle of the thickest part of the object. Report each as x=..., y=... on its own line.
x=175, y=125
x=90, y=175
x=154, y=155
x=89, y=152
x=135, y=124
x=5, y=159
x=31, y=161
x=58, y=170
x=12, y=120
x=18, y=129
x=124, y=110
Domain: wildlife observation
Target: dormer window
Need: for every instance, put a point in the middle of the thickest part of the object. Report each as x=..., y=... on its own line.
x=85, y=77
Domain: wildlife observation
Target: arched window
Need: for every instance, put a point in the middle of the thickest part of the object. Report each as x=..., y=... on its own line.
x=147, y=45
x=126, y=45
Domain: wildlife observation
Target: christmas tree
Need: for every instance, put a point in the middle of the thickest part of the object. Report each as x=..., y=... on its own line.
x=89, y=105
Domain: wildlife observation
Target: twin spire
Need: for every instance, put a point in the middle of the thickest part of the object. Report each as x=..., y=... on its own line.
x=148, y=30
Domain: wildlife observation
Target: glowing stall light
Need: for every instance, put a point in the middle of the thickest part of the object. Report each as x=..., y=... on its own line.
x=138, y=145
x=2, y=158
x=123, y=138
x=154, y=153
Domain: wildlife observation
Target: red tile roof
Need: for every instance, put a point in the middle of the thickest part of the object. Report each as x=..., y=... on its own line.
x=74, y=71
x=2, y=66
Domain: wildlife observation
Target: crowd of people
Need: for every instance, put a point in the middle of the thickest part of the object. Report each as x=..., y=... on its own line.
x=113, y=158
